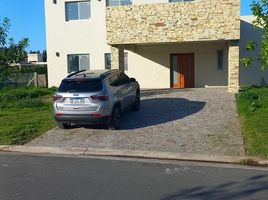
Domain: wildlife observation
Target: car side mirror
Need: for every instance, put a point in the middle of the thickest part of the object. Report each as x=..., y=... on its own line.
x=132, y=80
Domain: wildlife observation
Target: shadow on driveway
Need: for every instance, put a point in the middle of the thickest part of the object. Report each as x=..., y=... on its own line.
x=160, y=110
x=156, y=111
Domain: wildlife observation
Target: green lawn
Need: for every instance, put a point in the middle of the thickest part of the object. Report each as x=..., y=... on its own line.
x=25, y=113
x=253, y=109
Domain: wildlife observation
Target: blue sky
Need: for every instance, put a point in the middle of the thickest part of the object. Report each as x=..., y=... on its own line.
x=28, y=20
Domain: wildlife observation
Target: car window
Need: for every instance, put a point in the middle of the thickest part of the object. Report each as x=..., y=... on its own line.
x=80, y=86
x=123, y=79
x=113, y=79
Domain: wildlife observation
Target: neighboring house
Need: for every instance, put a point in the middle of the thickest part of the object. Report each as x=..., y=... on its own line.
x=34, y=58
x=251, y=74
x=162, y=43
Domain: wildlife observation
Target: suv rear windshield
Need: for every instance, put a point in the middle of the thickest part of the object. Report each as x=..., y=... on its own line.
x=80, y=85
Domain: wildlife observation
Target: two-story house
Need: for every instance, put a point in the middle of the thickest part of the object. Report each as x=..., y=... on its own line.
x=162, y=43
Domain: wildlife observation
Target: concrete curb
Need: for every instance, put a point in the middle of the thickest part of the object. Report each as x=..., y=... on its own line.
x=43, y=150
x=135, y=154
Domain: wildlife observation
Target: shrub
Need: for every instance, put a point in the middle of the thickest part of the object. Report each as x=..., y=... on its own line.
x=251, y=98
x=39, y=69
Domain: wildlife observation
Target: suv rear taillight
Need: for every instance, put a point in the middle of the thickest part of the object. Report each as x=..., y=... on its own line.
x=57, y=97
x=101, y=97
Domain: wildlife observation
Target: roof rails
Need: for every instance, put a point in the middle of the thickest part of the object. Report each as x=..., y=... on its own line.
x=74, y=73
x=108, y=72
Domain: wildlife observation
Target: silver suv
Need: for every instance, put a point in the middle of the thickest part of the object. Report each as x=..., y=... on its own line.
x=95, y=97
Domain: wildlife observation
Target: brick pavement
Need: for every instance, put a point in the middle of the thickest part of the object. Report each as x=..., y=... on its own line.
x=202, y=121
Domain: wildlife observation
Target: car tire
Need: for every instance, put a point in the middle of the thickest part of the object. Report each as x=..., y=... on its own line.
x=63, y=125
x=137, y=104
x=116, y=118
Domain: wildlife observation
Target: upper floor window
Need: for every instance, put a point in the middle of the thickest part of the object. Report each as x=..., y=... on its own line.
x=77, y=10
x=118, y=2
x=172, y=1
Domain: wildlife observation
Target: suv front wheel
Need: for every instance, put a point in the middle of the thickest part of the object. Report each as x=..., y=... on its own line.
x=116, y=118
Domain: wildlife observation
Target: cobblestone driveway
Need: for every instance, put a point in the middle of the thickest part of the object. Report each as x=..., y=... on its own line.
x=202, y=121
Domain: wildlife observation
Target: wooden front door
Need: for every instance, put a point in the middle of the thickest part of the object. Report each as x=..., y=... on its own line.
x=182, y=70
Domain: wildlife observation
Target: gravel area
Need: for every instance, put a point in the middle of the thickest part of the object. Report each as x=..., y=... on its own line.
x=202, y=121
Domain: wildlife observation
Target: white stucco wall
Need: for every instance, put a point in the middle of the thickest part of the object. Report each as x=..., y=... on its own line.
x=150, y=64
x=251, y=74
x=74, y=37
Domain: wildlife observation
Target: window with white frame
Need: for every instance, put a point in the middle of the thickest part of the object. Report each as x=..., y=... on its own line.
x=78, y=62
x=76, y=10
x=118, y=2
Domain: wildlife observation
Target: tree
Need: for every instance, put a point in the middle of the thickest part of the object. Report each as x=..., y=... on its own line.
x=10, y=52
x=260, y=11
x=44, y=53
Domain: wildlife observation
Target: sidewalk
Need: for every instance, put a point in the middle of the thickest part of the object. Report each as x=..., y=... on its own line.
x=135, y=154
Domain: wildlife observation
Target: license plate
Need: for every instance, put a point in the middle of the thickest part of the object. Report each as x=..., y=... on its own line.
x=77, y=100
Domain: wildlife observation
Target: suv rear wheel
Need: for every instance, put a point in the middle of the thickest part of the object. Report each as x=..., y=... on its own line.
x=116, y=118
x=137, y=103
x=63, y=125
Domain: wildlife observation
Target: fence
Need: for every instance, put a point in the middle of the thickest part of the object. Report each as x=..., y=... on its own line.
x=25, y=79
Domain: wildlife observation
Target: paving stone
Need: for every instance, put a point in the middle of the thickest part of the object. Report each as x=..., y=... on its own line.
x=201, y=121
